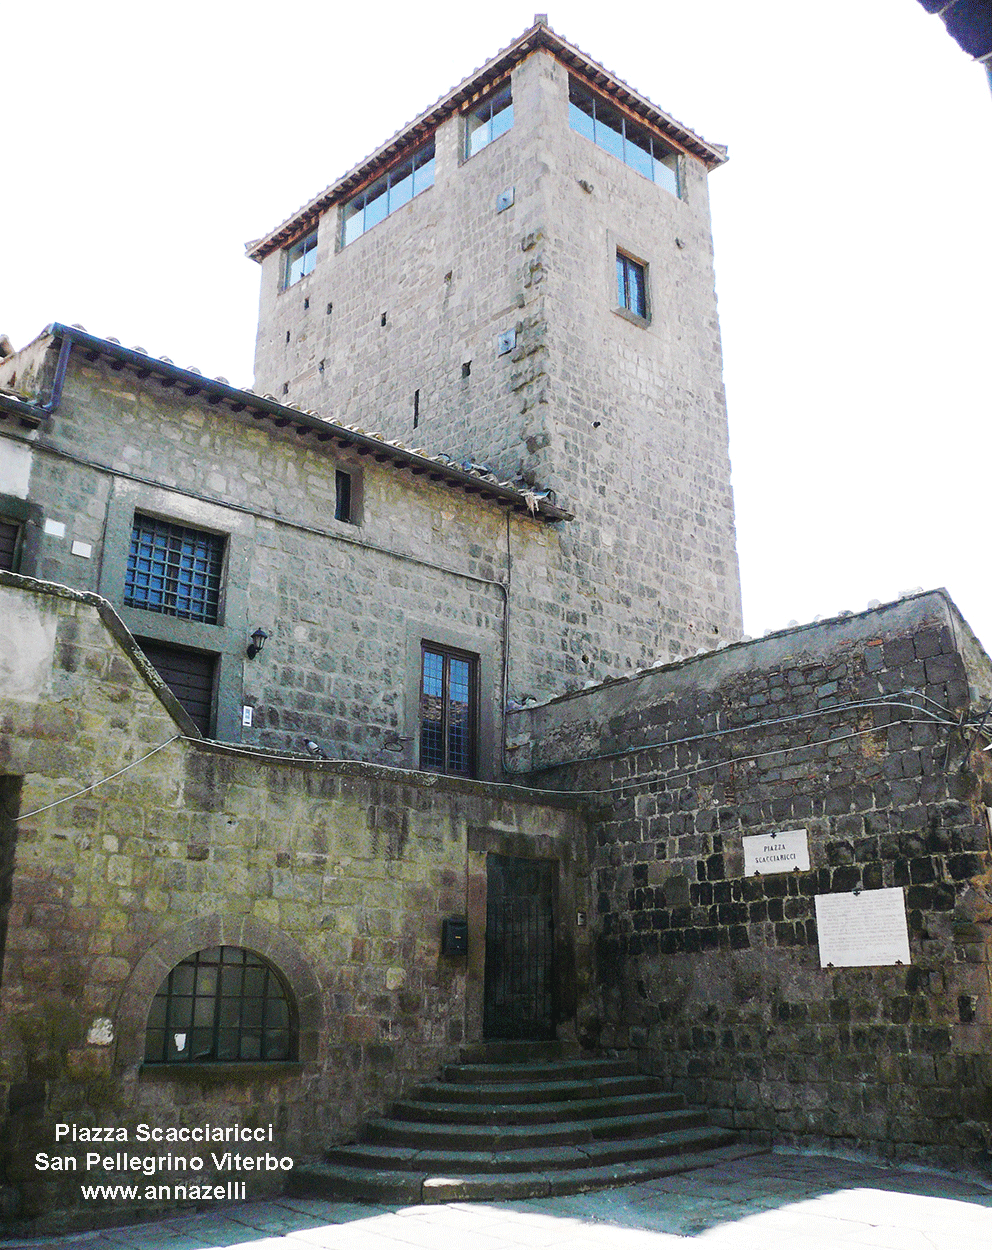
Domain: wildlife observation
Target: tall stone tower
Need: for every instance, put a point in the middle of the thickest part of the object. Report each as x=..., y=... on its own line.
x=523, y=278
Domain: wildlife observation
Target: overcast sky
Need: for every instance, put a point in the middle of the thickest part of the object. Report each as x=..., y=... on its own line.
x=145, y=144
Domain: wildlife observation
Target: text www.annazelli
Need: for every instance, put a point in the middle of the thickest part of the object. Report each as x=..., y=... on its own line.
x=163, y=1193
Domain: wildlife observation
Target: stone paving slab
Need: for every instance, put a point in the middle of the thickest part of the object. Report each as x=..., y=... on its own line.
x=774, y=1201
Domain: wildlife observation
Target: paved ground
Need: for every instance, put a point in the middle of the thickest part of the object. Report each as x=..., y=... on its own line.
x=764, y=1202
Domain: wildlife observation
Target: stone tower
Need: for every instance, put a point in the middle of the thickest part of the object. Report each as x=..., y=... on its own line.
x=522, y=278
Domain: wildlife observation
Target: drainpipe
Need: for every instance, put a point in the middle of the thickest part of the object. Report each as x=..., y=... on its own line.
x=61, y=369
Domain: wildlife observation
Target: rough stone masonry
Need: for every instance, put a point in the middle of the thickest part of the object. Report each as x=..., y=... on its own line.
x=338, y=874
x=851, y=731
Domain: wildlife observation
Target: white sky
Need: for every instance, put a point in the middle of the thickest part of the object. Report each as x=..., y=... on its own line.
x=144, y=144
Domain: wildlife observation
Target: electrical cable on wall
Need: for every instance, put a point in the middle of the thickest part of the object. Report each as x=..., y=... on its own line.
x=254, y=752
x=882, y=701
x=103, y=780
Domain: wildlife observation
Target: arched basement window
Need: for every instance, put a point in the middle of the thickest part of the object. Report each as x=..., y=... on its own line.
x=221, y=1005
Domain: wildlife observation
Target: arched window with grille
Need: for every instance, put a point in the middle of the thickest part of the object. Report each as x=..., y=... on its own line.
x=225, y=1005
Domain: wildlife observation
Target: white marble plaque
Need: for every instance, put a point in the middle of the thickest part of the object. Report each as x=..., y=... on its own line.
x=781, y=851
x=864, y=930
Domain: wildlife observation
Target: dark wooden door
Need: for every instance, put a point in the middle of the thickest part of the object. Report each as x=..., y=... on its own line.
x=190, y=677
x=520, y=981
x=8, y=544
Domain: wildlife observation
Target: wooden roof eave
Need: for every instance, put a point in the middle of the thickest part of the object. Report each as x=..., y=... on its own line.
x=282, y=416
x=27, y=414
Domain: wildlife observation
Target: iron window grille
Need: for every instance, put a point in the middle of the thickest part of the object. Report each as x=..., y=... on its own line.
x=448, y=711
x=174, y=570
x=488, y=121
x=631, y=286
x=614, y=132
x=223, y=1004
x=301, y=258
x=387, y=194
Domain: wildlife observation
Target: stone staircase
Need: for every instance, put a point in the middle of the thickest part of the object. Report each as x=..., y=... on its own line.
x=520, y=1120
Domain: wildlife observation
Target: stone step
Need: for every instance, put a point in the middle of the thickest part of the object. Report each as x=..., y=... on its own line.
x=516, y=1136
x=334, y=1180
x=495, y=1187
x=517, y=1052
x=528, y=1157
x=530, y=1092
x=428, y=1111
x=326, y=1180
x=517, y=1073
x=528, y=1125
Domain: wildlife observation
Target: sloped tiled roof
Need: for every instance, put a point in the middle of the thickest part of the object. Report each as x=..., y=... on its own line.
x=540, y=35
x=307, y=425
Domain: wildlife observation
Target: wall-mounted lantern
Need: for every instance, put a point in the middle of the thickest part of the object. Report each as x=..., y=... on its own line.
x=257, y=642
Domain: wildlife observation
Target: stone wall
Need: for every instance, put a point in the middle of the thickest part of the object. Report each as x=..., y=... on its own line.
x=339, y=874
x=346, y=604
x=624, y=418
x=634, y=416
x=852, y=731
x=448, y=274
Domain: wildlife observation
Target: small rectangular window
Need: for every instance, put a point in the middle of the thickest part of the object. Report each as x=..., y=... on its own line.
x=631, y=287
x=448, y=701
x=342, y=496
x=301, y=258
x=488, y=121
x=174, y=570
